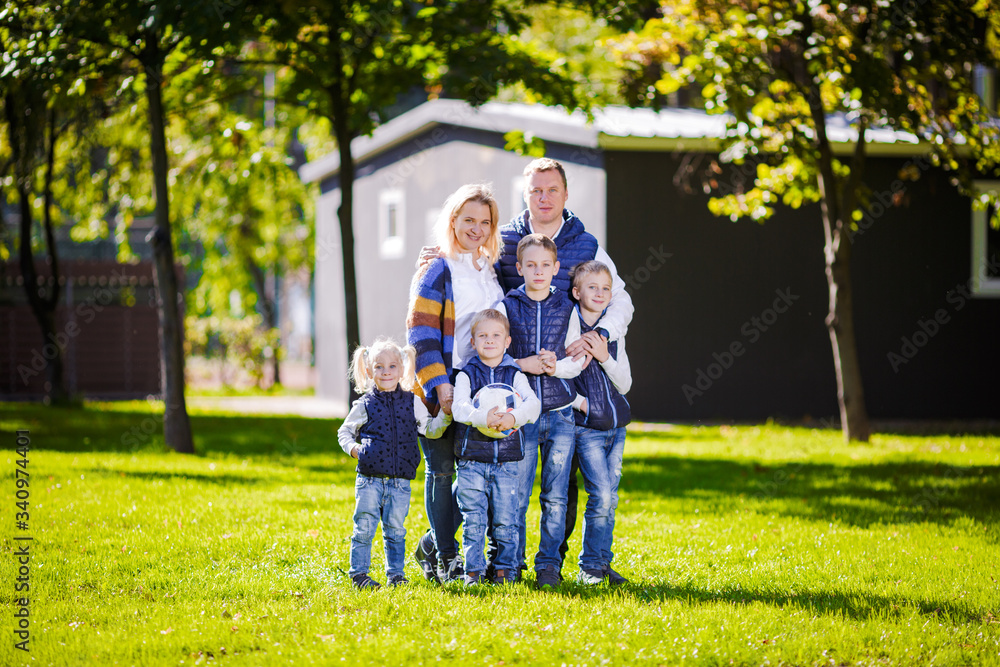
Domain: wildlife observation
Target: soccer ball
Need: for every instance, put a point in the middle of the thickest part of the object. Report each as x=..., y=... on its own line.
x=498, y=395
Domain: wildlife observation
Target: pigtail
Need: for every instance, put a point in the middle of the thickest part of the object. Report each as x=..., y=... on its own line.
x=359, y=370
x=409, y=379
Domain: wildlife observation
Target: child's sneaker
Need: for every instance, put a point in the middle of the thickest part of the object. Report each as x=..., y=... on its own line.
x=547, y=578
x=504, y=576
x=427, y=558
x=398, y=580
x=590, y=577
x=474, y=579
x=363, y=582
x=614, y=578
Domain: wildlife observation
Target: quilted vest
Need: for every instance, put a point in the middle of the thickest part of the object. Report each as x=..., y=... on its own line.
x=389, y=438
x=535, y=325
x=607, y=409
x=470, y=443
x=574, y=244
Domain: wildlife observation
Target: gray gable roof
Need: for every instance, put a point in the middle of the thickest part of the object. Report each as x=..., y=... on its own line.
x=617, y=128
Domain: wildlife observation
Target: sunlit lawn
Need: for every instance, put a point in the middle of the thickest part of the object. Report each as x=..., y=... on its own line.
x=745, y=545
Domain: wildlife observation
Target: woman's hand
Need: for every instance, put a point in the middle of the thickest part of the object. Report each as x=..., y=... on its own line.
x=548, y=360
x=427, y=255
x=445, y=395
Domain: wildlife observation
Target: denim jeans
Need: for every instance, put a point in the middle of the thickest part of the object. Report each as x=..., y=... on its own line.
x=550, y=439
x=440, y=493
x=600, y=456
x=487, y=496
x=388, y=500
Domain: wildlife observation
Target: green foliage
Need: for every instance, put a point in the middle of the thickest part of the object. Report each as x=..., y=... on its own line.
x=527, y=145
x=240, y=342
x=751, y=544
x=781, y=68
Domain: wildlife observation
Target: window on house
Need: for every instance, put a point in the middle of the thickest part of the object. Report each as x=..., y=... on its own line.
x=391, y=224
x=985, y=245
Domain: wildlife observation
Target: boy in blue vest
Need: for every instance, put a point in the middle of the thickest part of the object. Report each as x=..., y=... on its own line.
x=601, y=415
x=488, y=468
x=540, y=317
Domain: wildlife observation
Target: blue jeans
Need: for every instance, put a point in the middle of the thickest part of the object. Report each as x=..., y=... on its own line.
x=600, y=456
x=552, y=439
x=440, y=493
x=487, y=496
x=388, y=500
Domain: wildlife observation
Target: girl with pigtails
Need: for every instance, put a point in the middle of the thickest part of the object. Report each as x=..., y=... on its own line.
x=381, y=433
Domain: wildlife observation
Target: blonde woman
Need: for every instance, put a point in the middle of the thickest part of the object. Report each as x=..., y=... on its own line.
x=445, y=295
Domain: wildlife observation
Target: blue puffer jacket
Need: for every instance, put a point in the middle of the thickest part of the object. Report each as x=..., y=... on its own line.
x=470, y=443
x=389, y=438
x=574, y=244
x=535, y=325
x=607, y=409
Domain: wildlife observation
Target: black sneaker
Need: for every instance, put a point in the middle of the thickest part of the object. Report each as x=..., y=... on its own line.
x=427, y=558
x=398, y=580
x=452, y=570
x=504, y=576
x=547, y=578
x=614, y=578
x=364, y=582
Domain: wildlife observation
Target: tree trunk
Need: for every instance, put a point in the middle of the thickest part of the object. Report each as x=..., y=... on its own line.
x=176, y=424
x=43, y=306
x=345, y=214
x=837, y=251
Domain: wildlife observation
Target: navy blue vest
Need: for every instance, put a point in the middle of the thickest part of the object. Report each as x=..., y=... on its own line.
x=606, y=408
x=541, y=324
x=574, y=244
x=389, y=438
x=470, y=443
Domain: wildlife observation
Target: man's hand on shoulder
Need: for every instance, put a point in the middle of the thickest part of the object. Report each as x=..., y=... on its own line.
x=428, y=254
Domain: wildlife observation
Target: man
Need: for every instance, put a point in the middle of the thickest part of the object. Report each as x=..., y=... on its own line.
x=546, y=192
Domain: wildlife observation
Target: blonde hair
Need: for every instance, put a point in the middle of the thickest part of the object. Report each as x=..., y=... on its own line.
x=544, y=164
x=540, y=240
x=490, y=314
x=481, y=193
x=363, y=362
x=584, y=269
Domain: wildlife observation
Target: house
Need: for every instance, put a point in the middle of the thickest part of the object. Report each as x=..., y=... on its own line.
x=729, y=320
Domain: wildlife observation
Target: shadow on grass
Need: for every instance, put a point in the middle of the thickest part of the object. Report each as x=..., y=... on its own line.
x=860, y=495
x=857, y=606
x=338, y=476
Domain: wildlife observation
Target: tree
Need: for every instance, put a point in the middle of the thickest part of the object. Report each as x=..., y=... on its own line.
x=350, y=62
x=781, y=68
x=152, y=35
x=45, y=77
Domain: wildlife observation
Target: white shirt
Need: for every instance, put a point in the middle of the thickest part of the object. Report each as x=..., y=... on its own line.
x=432, y=427
x=474, y=287
x=620, y=310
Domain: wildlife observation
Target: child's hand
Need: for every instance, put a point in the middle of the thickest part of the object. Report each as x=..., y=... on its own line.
x=548, y=360
x=354, y=451
x=597, y=345
x=505, y=422
x=532, y=364
x=585, y=406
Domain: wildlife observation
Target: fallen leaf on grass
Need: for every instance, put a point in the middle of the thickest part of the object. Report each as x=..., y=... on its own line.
x=167, y=631
x=327, y=638
x=313, y=533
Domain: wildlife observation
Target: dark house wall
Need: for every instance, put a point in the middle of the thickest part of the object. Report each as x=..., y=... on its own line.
x=759, y=290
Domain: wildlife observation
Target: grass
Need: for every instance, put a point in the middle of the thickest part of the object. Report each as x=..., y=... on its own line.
x=746, y=545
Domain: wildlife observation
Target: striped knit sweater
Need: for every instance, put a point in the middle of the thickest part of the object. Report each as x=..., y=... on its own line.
x=430, y=325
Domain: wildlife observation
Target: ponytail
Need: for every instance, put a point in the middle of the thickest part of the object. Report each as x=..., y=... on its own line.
x=359, y=370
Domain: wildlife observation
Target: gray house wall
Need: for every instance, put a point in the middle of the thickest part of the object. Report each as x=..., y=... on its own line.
x=422, y=173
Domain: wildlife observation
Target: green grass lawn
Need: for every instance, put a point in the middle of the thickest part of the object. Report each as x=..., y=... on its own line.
x=745, y=545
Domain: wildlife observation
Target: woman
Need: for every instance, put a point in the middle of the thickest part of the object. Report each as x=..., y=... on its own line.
x=445, y=295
